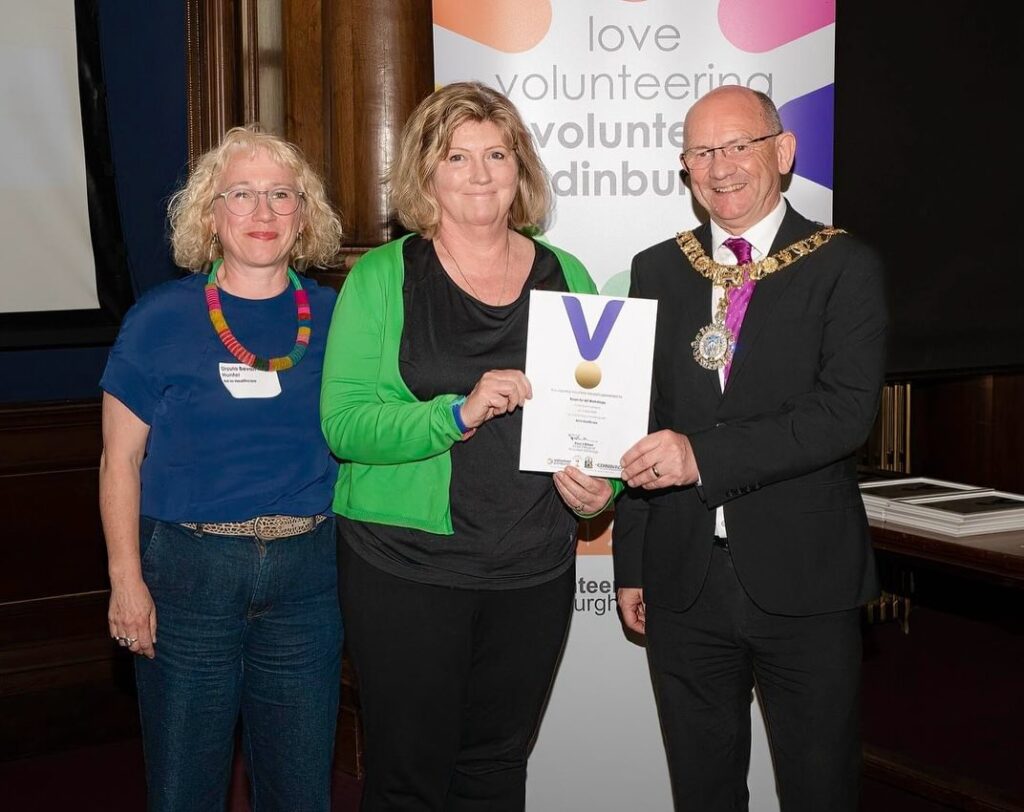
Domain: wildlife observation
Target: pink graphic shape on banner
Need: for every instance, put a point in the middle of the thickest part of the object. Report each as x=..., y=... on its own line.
x=757, y=26
x=511, y=26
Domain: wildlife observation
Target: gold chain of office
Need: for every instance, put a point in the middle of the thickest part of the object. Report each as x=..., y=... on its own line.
x=728, y=276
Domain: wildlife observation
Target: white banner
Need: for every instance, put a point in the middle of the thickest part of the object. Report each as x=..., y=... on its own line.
x=603, y=86
x=44, y=215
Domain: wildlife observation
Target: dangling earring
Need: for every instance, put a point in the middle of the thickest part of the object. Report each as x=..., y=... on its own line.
x=213, y=251
x=297, y=248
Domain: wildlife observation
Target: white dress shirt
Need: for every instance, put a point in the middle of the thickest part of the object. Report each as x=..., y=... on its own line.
x=760, y=236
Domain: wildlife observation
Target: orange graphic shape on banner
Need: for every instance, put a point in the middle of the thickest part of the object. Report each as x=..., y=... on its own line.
x=505, y=25
x=595, y=536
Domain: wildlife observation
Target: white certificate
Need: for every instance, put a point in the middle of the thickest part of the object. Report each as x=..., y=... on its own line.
x=589, y=361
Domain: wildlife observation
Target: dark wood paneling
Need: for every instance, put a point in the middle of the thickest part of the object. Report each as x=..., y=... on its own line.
x=1007, y=458
x=49, y=456
x=52, y=642
x=378, y=57
x=965, y=428
x=57, y=541
x=304, y=78
x=247, y=48
x=217, y=76
x=62, y=681
x=37, y=436
x=952, y=432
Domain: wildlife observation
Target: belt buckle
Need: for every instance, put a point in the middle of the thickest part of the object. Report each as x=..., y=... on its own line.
x=258, y=528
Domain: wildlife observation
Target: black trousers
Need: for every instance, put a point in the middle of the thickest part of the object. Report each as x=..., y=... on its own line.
x=452, y=683
x=706, y=661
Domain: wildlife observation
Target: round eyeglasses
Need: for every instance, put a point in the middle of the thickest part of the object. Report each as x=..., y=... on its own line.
x=702, y=157
x=282, y=201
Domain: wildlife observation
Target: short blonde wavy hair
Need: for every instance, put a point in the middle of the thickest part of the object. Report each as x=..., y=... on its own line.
x=191, y=207
x=425, y=140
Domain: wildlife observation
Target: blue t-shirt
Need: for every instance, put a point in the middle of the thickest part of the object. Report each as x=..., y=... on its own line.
x=212, y=456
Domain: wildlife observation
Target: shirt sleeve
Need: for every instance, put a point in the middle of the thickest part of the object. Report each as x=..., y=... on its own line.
x=366, y=413
x=128, y=375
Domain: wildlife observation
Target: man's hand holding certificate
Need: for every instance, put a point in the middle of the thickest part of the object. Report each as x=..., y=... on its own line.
x=588, y=360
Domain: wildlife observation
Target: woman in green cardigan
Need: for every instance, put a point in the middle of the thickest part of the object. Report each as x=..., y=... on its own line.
x=457, y=569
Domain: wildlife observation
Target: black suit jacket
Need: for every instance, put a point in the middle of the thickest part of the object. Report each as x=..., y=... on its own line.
x=777, y=447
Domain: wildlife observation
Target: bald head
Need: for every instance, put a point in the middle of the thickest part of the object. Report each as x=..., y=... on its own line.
x=733, y=98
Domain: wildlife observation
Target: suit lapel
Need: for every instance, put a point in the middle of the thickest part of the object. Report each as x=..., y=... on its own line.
x=767, y=293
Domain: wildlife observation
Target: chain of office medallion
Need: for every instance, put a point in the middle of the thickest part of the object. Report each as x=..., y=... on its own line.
x=728, y=276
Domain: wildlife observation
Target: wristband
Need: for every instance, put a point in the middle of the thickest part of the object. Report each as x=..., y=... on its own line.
x=457, y=415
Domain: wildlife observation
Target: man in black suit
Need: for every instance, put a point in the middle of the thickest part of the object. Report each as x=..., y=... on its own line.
x=742, y=547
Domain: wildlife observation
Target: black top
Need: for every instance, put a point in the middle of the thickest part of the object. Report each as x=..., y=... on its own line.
x=511, y=527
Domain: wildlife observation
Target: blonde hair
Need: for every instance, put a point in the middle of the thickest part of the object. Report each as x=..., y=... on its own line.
x=425, y=140
x=191, y=206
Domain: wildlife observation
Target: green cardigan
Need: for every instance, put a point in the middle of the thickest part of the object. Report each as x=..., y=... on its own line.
x=396, y=466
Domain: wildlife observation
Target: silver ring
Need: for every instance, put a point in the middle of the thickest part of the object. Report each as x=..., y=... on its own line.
x=655, y=471
x=132, y=640
x=121, y=641
x=579, y=507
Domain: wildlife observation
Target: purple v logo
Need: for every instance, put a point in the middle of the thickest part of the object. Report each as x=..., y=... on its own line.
x=590, y=345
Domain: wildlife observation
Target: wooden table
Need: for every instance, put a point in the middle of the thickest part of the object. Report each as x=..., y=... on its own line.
x=943, y=712
x=996, y=556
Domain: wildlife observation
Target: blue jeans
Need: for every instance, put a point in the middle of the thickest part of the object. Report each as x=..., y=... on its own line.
x=244, y=628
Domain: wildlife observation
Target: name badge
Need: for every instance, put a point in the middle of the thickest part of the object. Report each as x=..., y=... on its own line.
x=243, y=381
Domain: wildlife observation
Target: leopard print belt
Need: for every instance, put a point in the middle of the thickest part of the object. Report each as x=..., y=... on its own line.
x=265, y=528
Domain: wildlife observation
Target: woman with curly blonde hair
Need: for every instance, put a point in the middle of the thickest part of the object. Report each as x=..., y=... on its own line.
x=215, y=488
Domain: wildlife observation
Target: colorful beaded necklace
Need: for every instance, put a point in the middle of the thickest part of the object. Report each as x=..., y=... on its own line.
x=234, y=346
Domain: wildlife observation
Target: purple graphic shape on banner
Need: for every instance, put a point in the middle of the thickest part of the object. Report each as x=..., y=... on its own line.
x=812, y=118
x=590, y=346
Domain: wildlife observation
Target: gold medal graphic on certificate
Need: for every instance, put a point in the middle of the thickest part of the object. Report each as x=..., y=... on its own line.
x=588, y=374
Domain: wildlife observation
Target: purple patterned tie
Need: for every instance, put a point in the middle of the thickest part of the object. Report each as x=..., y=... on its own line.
x=739, y=297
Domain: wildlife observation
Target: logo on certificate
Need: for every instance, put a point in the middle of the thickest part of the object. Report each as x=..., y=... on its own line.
x=588, y=373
